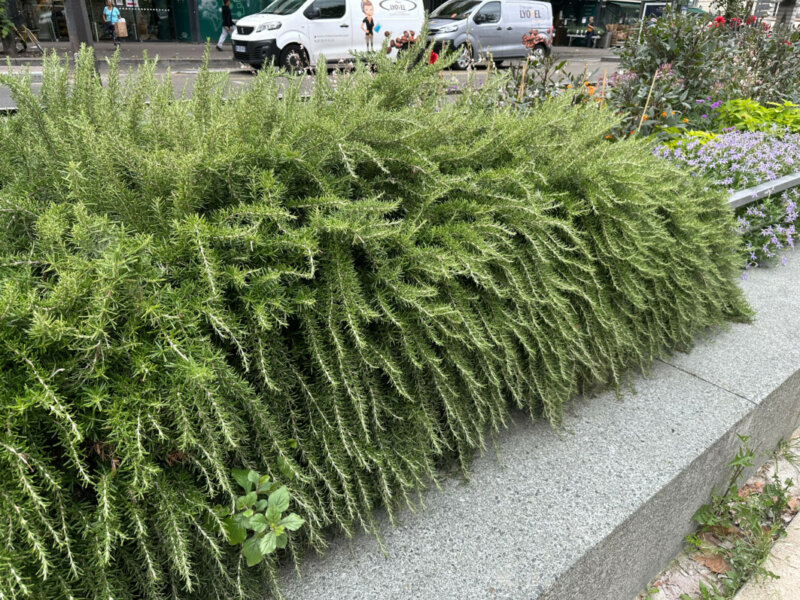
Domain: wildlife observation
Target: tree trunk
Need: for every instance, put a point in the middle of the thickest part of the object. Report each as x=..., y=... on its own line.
x=7, y=43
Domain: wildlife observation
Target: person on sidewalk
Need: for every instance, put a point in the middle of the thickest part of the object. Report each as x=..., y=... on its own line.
x=227, y=24
x=110, y=18
x=590, y=32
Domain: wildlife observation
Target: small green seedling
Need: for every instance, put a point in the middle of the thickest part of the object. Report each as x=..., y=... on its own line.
x=261, y=515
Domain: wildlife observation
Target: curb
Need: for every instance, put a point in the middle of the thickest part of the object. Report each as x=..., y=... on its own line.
x=37, y=62
x=595, y=511
x=36, y=76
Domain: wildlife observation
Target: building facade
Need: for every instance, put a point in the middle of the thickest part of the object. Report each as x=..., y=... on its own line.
x=785, y=12
x=147, y=20
x=199, y=20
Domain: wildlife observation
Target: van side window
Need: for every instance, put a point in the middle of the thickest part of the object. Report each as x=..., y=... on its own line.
x=326, y=9
x=489, y=13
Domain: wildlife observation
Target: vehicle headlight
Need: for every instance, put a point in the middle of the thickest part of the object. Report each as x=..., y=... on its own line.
x=268, y=26
x=449, y=28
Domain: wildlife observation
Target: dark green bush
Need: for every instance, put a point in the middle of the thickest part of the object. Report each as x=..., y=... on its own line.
x=345, y=288
x=701, y=64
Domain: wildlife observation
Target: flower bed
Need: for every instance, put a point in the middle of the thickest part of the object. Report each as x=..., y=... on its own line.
x=735, y=160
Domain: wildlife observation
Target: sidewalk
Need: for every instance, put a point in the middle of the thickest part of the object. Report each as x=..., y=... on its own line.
x=132, y=52
x=784, y=560
x=785, y=563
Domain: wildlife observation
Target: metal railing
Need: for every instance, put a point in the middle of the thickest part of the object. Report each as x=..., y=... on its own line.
x=763, y=190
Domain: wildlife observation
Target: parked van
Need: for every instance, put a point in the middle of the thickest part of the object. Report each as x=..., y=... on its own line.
x=505, y=28
x=295, y=33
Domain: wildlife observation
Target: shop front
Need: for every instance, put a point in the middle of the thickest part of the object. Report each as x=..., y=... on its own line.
x=46, y=18
x=147, y=20
x=210, y=15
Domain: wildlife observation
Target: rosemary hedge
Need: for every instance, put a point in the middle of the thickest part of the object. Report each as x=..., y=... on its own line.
x=337, y=291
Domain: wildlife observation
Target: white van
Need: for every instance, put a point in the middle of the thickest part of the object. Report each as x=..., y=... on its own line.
x=295, y=33
x=506, y=29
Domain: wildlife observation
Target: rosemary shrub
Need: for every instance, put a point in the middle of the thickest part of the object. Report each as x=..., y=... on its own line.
x=344, y=288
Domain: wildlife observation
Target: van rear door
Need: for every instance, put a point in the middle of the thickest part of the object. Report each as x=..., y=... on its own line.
x=521, y=19
x=329, y=29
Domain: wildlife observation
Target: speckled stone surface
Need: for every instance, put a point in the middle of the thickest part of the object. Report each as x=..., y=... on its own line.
x=596, y=511
x=752, y=360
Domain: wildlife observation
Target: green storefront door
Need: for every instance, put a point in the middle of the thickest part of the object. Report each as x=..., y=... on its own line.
x=180, y=15
x=210, y=12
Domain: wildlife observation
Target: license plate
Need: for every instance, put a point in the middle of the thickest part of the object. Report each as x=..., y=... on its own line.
x=240, y=49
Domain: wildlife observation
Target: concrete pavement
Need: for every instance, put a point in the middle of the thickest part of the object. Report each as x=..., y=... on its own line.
x=785, y=563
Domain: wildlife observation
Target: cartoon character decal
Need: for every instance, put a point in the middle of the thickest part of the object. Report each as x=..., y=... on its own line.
x=368, y=24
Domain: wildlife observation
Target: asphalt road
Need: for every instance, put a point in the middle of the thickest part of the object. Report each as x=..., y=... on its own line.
x=184, y=78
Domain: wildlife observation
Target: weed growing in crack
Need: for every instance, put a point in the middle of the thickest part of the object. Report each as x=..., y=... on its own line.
x=738, y=528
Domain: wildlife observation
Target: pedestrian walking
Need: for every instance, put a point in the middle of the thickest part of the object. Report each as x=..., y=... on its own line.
x=590, y=32
x=110, y=18
x=227, y=24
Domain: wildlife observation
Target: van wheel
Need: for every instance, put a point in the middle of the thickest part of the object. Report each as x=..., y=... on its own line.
x=539, y=52
x=294, y=58
x=464, y=57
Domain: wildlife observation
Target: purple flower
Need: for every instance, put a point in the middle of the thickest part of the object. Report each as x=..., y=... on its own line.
x=734, y=160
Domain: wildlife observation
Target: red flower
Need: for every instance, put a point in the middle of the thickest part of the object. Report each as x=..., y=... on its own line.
x=750, y=20
x=433, y=57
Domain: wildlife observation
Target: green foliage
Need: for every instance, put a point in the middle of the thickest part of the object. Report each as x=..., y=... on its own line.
x=706, y=593
x=675, y=137
x=668, y=102
x=706, y=64
x=750, y=115
x=730, y=8
x=263, y=516
x=5, y=22
x=745, y=523
x=544, y=78
x=344, y=288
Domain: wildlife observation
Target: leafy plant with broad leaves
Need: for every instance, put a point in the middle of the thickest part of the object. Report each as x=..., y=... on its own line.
x=745, y=113
x=707, y=66
x=628, y=93
x=541, y=79
x=260, y=511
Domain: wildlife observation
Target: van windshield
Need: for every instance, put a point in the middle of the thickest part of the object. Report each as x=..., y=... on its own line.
x=455, y=9
x=283, y=7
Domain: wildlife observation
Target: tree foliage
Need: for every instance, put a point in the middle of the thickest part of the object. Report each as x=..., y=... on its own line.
x=345, y=288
